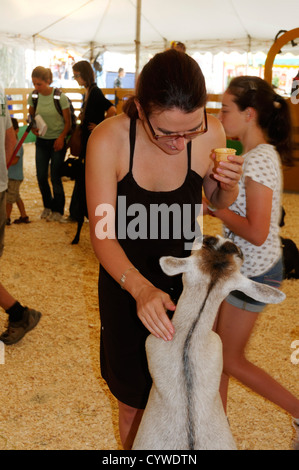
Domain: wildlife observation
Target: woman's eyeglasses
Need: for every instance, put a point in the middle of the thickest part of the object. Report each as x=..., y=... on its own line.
x=76, y=75
x=185, y=135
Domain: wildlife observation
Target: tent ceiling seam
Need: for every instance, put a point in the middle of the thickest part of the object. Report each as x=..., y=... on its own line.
x=62, y=18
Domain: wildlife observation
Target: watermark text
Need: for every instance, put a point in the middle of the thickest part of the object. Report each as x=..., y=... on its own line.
x=158, y=222
x=295, y=354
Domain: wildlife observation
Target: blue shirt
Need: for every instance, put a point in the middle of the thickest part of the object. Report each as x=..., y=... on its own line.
x=15, y=172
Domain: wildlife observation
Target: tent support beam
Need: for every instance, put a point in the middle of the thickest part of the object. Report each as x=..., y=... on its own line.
x=137, y=40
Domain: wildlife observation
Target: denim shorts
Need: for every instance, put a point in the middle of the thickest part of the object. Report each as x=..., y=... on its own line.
x=273, y=278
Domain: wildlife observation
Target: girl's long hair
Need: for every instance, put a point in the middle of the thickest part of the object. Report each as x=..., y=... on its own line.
x=272, y=110
x=85, y=69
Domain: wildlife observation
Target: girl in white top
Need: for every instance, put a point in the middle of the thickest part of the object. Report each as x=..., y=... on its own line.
x=259, y=118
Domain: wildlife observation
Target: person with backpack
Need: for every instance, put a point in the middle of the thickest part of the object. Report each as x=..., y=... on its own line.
x=95, y=108
x=54, y=109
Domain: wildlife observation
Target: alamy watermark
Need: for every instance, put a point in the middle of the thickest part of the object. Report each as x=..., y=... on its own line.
x=295, y=93
x=159, y=221
x=295, y=354
x=2, y=353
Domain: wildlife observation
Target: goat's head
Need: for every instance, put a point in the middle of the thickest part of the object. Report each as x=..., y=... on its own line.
x=214, y=260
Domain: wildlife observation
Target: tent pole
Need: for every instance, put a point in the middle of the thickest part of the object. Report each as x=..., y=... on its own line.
x=137, y=40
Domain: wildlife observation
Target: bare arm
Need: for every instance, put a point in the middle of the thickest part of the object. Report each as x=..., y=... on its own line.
x=221, y=188
x=10, y=143
x=255, y=226
x=34, y=130
x=110, y=113
x=59, y=142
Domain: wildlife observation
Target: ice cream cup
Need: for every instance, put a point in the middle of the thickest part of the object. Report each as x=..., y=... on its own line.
x=221, y=155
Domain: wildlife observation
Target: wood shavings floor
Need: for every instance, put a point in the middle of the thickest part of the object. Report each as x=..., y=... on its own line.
x=52, y=396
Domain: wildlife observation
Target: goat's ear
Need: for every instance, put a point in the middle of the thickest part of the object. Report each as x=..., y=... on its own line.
x=197, y=244
x=173, y=266
x=259, y=292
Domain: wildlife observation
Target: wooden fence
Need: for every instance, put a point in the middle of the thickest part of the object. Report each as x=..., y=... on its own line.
x=18, y=107
x=17, y=100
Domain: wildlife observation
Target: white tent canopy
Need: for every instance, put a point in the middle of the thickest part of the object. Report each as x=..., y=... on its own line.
x=203, y=25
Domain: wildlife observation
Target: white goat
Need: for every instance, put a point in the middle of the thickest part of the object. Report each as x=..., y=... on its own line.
x=184, y=409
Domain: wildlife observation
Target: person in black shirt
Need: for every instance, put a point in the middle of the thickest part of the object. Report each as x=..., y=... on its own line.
x=95, y=109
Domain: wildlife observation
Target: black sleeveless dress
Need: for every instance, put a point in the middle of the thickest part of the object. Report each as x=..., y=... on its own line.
x=122, y=351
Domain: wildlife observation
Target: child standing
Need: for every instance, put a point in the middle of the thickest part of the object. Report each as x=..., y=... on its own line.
x=259, y=118
x=15, y=178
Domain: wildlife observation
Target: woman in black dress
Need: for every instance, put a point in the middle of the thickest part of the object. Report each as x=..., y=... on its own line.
x=156, y=155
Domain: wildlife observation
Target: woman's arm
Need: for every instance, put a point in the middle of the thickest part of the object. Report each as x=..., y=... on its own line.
x=34, y=130
x=255, y=226
x=10, y=143
x=102, y=169
x=220, y=187
x=59, y=142
x=110, y=113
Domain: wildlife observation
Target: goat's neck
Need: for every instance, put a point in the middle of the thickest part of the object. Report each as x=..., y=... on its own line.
x=198, y=303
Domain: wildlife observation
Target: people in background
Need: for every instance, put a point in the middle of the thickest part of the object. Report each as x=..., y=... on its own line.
x=178, y=46
x=51, y=146
x=21, y=319
x=95, y=108
x=120, y=76
x=118, y=82
x=15, y=178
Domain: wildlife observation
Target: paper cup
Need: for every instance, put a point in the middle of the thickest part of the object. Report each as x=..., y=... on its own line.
x=222, y=154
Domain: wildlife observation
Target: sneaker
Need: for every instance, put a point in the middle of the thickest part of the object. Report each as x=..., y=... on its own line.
x=8, y=222
x=17, y=330
x=46, y=213
x=296, y=439
x=22, y=220
x=55, y=217
x=68, y=220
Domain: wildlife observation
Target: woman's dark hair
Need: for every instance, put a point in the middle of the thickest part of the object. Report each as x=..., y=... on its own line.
x=272, y=111
x=85, y=69
x=171, y=79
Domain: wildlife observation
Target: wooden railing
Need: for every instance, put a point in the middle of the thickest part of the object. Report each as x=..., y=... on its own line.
x=17, y=100
x=19, y=109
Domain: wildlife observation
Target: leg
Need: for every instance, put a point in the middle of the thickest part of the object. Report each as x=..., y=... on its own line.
x=42, y=159
x=21, y=208
x=2, y=219
x=234, y=327
x=6, y=300
x=9, y=198
x=129, y=420
x=8, y=210
x=57, y=160
x=21, y=319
